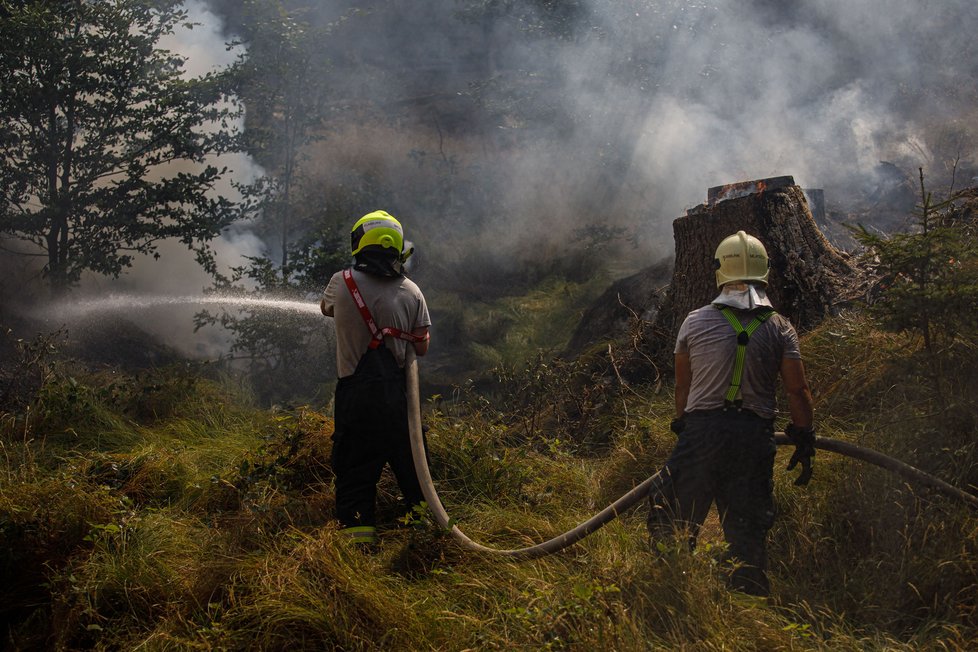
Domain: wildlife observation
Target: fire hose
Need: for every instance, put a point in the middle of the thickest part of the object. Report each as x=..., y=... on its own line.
x=615, y=509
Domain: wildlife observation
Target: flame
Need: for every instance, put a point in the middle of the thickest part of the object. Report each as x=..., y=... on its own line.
x=744, y=188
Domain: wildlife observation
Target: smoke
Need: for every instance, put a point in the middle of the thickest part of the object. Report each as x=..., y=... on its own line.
x=735, y=91
x=624, y=112
x=509, y=132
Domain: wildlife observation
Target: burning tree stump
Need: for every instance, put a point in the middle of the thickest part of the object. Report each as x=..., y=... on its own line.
x=809, y=278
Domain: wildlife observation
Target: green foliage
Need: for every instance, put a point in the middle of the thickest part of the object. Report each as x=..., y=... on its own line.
x=428, y=548
x=560, y=619
x=277, y=483
x=96, y=122
x=500, y=335
x=286, y=355
x=929, y=276
x=282, y=78
x=286, y=359
x=68, y=409
x=44, y=522
x=105, y=410
x=481, y=468
x=873, y=390
x=137, y=568
x=25, y=367
x=210, y=526
x=558, y=403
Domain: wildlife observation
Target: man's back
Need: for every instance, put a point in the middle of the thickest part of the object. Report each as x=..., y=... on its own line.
x=711, y=343
x=393, y=302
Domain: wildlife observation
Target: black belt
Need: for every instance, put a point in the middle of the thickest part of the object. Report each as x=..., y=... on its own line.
x=729, y=411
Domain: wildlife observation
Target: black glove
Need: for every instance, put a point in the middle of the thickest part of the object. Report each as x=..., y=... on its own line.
x=804, y=441
x=678, y=425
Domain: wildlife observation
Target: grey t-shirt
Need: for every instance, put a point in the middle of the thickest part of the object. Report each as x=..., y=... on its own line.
x=393, y=302
x=711, y=343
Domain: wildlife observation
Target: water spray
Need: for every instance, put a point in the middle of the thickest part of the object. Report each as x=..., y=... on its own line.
x=615, y=509
x=120, y=302
x=173, y=317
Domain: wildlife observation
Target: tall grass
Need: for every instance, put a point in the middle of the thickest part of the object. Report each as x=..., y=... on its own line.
x=165, y=513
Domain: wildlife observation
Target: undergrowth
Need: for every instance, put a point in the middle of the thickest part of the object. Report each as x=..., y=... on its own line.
x=162, y=511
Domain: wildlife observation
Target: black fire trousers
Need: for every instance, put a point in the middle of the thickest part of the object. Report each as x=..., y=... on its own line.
x=726, y=457
x=371, y=431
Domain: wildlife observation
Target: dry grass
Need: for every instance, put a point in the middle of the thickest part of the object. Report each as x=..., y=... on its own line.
x=207, y=525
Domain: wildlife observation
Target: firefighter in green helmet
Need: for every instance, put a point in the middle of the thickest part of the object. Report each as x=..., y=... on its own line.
x=378, y=312
x=728, y=358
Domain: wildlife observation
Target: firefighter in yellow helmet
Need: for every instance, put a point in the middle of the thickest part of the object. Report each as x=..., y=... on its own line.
x=728, y=357
x=378, y=312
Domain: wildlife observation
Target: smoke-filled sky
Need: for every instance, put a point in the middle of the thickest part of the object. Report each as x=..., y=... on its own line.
x=642, y=105
x=822, y=90
x=624, y=119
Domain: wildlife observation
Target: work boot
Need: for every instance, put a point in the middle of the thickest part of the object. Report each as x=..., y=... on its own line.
x=363, y=538
x=750, y=580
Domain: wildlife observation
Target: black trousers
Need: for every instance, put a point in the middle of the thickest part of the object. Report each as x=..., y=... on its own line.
x=724, y=457
x=371, y=431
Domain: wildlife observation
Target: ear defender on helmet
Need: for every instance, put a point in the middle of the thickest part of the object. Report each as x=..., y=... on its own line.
x=741, y=257
x=407, y=251
x=377, y=229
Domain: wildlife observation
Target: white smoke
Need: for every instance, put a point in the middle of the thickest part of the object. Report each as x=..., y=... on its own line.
x=727, y=92
x=653, y=102
x=642, y=105
x=753, y=89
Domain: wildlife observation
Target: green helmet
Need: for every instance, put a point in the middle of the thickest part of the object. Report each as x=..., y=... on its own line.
x=741, y=257
x=378, y=228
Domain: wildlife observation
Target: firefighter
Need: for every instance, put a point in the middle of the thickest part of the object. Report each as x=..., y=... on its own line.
x=728, y=357
x=378, y=312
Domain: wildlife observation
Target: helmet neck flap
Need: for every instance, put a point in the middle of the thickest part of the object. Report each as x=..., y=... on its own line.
x=378, y=261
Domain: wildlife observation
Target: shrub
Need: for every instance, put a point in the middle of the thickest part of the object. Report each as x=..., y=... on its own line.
x=929, y=276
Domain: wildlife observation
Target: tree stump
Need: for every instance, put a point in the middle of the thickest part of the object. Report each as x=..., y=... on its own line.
x=809, y=279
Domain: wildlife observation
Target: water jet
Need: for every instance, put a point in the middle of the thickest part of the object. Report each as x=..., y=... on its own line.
x=117, y=302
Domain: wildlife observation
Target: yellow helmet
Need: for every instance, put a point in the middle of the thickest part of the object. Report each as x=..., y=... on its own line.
x=741, y=257
x=377, y=228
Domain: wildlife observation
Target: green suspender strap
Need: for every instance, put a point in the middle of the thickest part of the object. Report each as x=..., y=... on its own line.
x=743, y=337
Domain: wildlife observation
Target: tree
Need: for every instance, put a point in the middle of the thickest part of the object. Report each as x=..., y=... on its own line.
x=283, y=82
x=103, y=143
x=929, y=276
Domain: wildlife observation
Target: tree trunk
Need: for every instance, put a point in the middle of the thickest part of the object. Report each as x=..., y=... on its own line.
x=808, y=278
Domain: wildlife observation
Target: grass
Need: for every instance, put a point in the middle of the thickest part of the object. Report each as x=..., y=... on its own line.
x=164, y=512
x=507, y=330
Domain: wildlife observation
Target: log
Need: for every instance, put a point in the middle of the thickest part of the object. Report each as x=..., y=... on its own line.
x=622, y=308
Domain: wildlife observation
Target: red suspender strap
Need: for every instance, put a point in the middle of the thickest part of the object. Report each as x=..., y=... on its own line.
x=377, y=333
x=368, y=319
